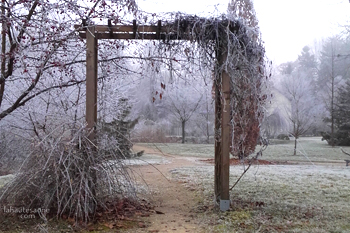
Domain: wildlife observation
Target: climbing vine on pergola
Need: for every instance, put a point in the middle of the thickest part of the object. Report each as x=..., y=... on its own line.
x=232, y=50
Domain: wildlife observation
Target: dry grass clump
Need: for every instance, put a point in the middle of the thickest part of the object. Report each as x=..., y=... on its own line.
x=69, y=176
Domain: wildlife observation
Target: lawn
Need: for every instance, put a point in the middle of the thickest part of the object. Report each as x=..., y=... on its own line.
x=308, y=149
x=312, y=195
x=277, y=198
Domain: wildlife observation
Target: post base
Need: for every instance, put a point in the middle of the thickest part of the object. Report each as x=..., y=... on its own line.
x=224, y=205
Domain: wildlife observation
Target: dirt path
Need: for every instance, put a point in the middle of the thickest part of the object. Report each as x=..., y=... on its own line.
x=173, y=201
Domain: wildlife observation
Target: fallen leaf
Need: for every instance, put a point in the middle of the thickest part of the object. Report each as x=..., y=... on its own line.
x=142, y=225
x=159, y=212
x=109, y=225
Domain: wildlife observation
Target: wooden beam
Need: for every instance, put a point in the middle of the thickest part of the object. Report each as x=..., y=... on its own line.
x=217, y=172
x=91, y=82
x=225, y=142
x=127, y=28
x=222, y=131
x=139, y=36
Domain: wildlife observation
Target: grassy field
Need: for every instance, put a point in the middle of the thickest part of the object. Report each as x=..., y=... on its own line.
x=307, y=197
x=309, y=148
x=277, y=198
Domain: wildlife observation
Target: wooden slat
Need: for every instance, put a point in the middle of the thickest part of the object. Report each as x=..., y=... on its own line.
x=159, y=28
x=134, y=28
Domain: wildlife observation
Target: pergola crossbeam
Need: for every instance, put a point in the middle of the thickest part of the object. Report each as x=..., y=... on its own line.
x=129, y=36
x=136, y=32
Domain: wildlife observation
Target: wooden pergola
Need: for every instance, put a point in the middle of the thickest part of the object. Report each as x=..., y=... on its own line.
x=163, y=32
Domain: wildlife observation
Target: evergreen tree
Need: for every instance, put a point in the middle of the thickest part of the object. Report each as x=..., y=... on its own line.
x=342, y=106
x=286, y=68
x=306, y=60
x=333, y=73
x=120, y=128
x=341, y=118
x=328, y=72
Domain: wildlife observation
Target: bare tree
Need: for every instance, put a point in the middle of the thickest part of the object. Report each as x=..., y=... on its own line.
x=205, y=118
x=182, y=103
x=298, y=91
x=39, y=42
x=41, y=59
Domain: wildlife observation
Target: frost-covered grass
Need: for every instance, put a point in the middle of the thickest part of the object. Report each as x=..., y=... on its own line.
x=278, y=198
x=309, y=148
x=189, y=150
x=146, y=159
x=312, y=148
x=274, y=198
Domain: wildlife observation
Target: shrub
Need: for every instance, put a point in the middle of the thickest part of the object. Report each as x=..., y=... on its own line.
x=151, y=132
x=341, y=138
x=283, y=137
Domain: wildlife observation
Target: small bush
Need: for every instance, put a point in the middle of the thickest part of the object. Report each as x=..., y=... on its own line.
x=151, y=132
x=341, y=138
x=283, y=137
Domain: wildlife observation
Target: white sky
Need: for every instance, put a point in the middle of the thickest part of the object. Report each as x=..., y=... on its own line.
x=286, y=25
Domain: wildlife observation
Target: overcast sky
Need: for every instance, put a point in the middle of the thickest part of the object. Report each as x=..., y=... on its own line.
x=286, y=25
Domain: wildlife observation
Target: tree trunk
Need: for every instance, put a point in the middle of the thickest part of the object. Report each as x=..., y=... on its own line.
x=207, y=118
x=295, y=146
x=183, y=123
x=3, y=52
x=332, y=100
x=208, y=136
x=332, y=113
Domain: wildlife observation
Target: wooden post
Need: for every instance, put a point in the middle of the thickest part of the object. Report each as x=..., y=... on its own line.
x=225, y=142
x=222, y=132
x=217, y=173
x=91, y=81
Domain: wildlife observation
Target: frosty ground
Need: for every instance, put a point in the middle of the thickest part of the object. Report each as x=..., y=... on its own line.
x=311, y=193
